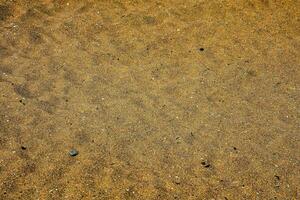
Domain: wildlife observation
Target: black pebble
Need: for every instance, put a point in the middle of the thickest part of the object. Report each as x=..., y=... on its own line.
x=73, y=152
x=205, y=164
x=23, y=148
x=22, y=102
x=201, y=49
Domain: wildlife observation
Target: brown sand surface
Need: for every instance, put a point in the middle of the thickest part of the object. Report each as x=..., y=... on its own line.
x=165, y=99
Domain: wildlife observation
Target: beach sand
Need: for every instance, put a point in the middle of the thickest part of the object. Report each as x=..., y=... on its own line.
x=174, y=99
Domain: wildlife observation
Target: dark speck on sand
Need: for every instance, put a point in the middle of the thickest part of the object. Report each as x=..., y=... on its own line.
x=73, y=152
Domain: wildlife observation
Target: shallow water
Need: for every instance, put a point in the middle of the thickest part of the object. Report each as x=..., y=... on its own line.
x=162, y=99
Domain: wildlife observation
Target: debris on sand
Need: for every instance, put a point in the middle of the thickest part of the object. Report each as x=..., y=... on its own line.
x=73, y=152
x=177, y=180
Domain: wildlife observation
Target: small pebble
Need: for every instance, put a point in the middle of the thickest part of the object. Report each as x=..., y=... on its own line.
x=73, y=152
x=205, y=164
x=177, y=180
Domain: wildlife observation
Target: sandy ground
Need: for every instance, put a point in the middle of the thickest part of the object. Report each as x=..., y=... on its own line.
x=174, y=99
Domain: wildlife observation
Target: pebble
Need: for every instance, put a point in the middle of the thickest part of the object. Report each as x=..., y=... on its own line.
x=205, y=164
x=73, y=152
x=177, y=180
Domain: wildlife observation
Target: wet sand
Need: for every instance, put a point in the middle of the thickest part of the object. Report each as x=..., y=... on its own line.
x=162, y=99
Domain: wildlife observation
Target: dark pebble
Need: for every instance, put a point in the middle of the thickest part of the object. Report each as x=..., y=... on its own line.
x=205, y=164
x=23, y=148
x=73, y=152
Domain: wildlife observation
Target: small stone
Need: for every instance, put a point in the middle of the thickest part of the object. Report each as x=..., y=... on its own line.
x=205, y=164
x=73, y=152
x=177, y=180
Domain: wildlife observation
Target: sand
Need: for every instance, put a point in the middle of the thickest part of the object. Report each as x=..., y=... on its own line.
x=174, y=99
